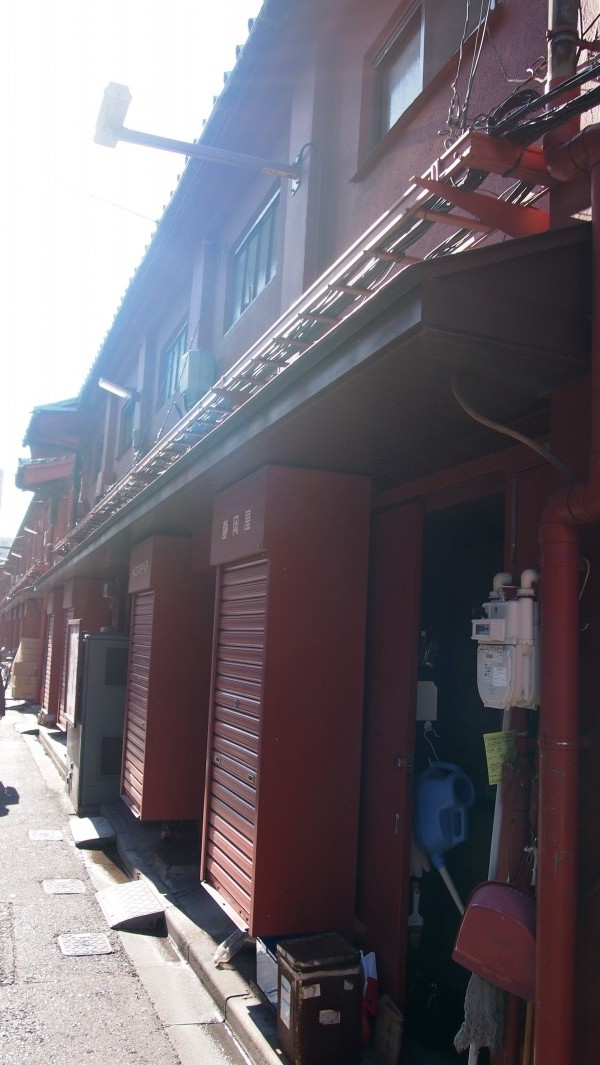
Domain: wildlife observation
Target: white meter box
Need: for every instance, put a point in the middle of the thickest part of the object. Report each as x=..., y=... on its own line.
x=495, y=674
x=508, y=651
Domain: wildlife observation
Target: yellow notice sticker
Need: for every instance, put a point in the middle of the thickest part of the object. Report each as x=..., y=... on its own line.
x=500, y=747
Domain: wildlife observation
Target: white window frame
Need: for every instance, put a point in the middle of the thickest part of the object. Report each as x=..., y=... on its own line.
x=170, y=366
x=398, y=83
x=254, y=261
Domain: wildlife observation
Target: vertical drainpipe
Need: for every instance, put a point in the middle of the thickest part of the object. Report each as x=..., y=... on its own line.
x=556, y=935
x=563, y=36
x=559, y=711
x=75, y=489
x=557, y=819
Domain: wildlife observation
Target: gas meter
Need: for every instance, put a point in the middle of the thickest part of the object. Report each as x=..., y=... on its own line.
x=508, y=636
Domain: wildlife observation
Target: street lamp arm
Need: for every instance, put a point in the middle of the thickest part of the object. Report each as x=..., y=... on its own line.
x=110, y=130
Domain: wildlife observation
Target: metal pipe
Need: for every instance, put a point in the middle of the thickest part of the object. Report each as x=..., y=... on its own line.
x=559, y=711
x=563, y=39
x=558, y=776
x=208, y=153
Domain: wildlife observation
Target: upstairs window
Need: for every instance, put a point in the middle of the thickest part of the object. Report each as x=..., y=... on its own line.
x=412, y=50
x=170, y=366
x=398, y=74
x=254, y=261
x=125, y=440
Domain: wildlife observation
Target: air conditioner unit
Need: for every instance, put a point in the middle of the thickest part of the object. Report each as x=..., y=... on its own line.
x=197, y=375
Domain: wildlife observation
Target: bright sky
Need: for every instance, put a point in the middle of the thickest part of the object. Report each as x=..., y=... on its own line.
x=77, y=216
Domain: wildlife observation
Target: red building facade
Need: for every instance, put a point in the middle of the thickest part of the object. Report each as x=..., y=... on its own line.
x=429, y=339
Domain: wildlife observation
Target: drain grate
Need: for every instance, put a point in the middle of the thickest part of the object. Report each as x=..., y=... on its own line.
x=38, y=834
x=84, y=944
x=63, y=887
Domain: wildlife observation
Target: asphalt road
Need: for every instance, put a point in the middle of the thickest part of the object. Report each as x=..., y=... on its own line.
x=140, y=1004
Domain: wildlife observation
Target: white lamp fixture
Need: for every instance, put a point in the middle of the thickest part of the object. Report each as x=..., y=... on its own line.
x=110, y=129
x=117, y=390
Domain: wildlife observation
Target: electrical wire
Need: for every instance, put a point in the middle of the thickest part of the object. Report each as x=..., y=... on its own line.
x=516, y=124
x=109, y=203
x=540, y=64
x=505, y=430
x=588, y=570
x=454, y=108
x=426, y=734
x=590, y=26
x=479, y=40
x=457, y=110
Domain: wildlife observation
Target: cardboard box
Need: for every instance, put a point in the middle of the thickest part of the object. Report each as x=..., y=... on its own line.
x=389, y=1024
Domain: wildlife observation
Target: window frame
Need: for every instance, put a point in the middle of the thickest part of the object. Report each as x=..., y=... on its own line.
x=257, y=252
x=126, y=426
x=436, y=59
x=169, y=364
x=386, y=59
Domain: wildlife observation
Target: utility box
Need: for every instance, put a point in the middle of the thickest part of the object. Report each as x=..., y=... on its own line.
x=96, y=705
x=318, y=1019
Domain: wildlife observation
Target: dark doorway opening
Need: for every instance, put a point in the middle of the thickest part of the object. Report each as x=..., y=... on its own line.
x=462, y=551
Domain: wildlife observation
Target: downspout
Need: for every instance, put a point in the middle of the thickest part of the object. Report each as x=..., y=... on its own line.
x=559, y=743
x=75, y=488
x=556, y=934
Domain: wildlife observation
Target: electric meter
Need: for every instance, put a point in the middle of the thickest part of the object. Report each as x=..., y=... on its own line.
x=508, y=638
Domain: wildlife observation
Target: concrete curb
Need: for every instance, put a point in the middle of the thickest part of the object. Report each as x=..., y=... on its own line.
x=55, y=747
x=196, y=937
x=251, y=1021
x=244, y=1011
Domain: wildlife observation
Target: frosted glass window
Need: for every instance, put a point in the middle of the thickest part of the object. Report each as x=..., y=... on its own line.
x=400, y=73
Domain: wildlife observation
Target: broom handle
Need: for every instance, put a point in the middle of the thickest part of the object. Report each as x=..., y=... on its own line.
x=445, y=875
x=498, y=811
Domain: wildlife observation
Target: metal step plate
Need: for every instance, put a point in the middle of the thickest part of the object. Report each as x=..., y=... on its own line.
x=90, y=832
x=133, y=905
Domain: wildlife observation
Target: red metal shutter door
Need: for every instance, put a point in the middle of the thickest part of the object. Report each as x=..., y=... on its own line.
x=235, y=734
x=136, y=711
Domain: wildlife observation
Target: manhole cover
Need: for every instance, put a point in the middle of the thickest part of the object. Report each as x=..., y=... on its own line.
x=131, y=905
x=45, y=833
x=80, y=944
x=89, y=832
x=63, y=887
